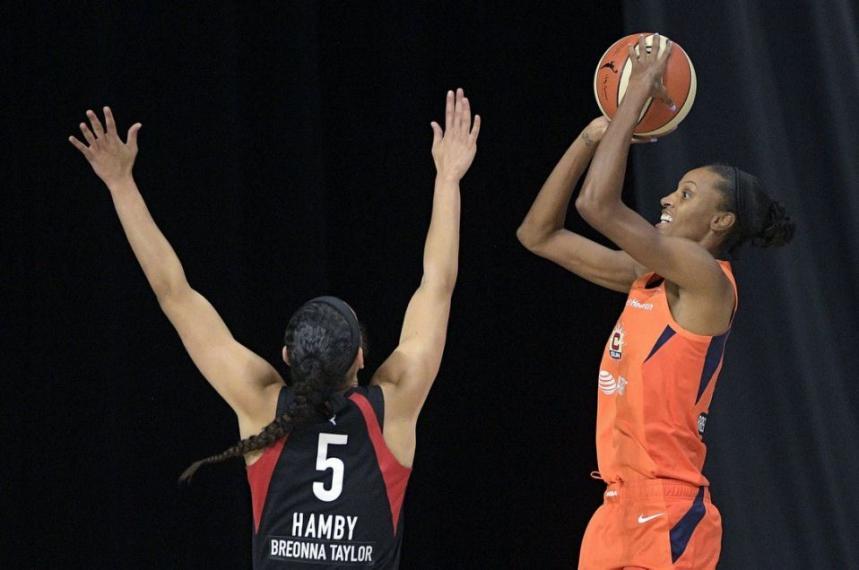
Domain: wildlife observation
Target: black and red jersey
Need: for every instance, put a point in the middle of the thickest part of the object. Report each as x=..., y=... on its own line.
x=330, y=494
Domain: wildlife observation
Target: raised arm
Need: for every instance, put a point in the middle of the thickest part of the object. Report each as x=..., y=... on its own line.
x=247, y=382
x=681, y=261
x=407, y=375
x=542, y=231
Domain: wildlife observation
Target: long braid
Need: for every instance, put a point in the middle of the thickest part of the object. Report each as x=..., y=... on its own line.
x=320, y=340
x=280, y=427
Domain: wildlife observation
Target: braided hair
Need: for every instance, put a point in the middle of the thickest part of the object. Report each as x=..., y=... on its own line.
x=322, y=339
x=760, y=220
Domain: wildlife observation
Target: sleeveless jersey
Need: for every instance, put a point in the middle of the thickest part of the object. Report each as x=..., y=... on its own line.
x=329, y=495
x=656, y=382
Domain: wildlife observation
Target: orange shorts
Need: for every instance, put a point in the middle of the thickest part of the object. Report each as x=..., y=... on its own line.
x=657, y=524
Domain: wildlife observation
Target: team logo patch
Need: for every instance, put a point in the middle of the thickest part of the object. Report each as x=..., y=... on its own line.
x=615, y=343
x=702, y=423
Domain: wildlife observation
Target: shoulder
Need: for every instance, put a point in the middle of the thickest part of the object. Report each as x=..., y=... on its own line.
x=274, y=399
x=370, y=400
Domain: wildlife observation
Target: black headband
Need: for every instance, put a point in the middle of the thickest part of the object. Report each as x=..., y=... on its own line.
x=354, y=327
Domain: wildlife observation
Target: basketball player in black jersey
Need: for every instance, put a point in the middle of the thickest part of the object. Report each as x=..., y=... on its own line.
x=328, y=461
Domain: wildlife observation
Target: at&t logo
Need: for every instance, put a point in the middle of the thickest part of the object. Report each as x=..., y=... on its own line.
x=609, y=386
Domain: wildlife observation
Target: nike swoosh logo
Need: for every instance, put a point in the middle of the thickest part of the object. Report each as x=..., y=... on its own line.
x=643, y=519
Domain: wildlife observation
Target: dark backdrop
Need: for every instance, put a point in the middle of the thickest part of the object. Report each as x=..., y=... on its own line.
x=285, y=154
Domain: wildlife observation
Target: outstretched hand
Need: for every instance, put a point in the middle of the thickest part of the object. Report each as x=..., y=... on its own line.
x=110, y=158
x=648, y=66
x=453, y=149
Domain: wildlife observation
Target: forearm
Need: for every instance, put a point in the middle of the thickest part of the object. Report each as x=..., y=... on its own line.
x=549, y=210
x=441, y=251
x=160, y=264
x=604, y=183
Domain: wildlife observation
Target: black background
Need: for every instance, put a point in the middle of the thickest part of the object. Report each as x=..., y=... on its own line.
x=285, y=154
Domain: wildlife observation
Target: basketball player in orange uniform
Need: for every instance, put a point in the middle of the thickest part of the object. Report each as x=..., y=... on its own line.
x=661, y=362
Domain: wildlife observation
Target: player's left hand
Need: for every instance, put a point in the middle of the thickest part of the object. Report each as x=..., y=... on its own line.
x=453, y=148
x=110, y=158
x=593, y=133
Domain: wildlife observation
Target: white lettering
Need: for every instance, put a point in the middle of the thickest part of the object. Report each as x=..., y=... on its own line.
x=324, y=527
x=315, y=526
x=313, y=550
x=349, y=553
x=298, y=550
x=339, y=527
x=352, y=522
x=337, y=553
x=367, y=553
x=323, y=463
x=636, y=304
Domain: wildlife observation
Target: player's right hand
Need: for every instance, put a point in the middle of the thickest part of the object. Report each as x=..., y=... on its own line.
x=648, y=67
x=110, y=158
x=453, y=149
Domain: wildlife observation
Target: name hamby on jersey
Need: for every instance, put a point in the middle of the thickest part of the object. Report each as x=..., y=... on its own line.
x=316, y=529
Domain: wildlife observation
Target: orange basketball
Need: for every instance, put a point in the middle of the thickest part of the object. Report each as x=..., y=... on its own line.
x=612, y=78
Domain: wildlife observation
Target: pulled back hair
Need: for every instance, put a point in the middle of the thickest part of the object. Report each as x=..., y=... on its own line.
x=322, y=340
x=760, y=220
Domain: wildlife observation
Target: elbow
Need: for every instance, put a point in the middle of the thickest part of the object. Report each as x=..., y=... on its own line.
x=529, y=237
x=585, y=208
x=584, y=203
x=524, y=236
x=168, y=291
x=592, y=210
x=440, y=283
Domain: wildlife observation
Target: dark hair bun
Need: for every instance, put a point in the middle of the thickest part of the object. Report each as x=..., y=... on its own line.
x=778, y=228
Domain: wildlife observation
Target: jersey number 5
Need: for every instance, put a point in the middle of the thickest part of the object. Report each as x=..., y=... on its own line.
x=324, y=463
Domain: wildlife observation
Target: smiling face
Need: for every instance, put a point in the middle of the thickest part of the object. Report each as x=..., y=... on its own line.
x=696, y=209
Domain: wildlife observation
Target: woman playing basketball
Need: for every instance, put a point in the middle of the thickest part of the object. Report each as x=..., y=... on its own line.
x=328, y=461
x=664, y=355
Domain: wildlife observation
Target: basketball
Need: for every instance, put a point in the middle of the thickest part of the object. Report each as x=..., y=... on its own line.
x=612, y=78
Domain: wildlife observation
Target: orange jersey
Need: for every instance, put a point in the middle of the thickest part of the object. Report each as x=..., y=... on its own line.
x=656, y=382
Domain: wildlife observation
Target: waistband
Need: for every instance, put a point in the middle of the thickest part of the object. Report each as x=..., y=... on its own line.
x=626, y=491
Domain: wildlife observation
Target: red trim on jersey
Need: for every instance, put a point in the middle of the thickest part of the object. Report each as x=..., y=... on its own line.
x=259, y=477
x=396, y=476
